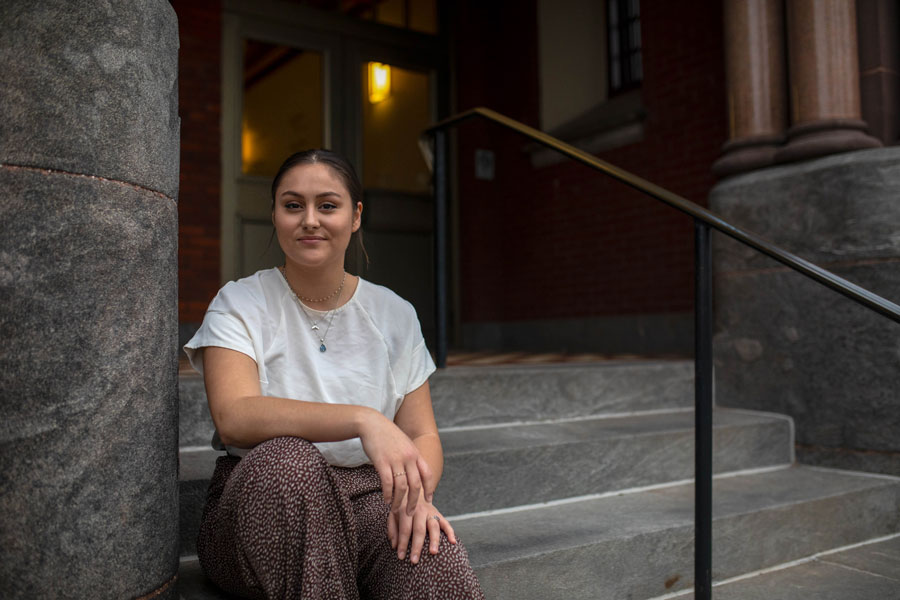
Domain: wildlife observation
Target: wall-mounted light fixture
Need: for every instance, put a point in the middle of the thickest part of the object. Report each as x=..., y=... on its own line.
x=249, y=147
x=379, y=82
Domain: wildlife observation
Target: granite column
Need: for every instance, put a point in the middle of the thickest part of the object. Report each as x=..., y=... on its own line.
x=88, y=275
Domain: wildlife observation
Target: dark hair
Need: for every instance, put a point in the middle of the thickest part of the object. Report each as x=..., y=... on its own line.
x=340, y=165
x=342, y=168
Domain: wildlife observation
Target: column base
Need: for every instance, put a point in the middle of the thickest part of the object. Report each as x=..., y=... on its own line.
x=821, y=138
x=785, y=344
x=747, y=154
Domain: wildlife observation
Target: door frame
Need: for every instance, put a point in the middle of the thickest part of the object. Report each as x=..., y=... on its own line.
x=343, y=41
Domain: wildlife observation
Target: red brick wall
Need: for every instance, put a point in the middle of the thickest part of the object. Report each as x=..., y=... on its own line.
x=565, y=241
x=199, y=96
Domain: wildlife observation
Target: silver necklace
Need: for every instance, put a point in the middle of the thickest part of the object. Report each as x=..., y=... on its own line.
x=314, y=325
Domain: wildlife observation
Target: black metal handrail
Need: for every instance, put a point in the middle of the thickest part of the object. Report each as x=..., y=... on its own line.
x=703, y=372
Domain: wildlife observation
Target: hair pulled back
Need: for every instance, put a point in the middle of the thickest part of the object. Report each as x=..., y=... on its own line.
x=341, y=167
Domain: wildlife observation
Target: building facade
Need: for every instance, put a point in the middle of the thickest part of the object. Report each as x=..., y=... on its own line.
x=698, y=97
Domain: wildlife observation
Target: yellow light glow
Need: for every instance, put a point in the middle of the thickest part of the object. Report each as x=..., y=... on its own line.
x=379, y=82
x=249, y=148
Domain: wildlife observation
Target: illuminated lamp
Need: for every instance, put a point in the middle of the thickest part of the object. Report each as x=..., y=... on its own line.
x=379, y=82
x=249, y=147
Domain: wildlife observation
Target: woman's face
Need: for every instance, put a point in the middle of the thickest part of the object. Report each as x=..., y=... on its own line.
x=314, y=216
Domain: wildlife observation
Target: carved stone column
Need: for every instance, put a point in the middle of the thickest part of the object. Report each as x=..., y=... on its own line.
x=824, y=81
x=755, y=61
x=88, y=299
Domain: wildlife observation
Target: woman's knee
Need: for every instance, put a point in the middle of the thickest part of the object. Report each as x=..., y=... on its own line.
x=284, y=465
x=450, y=556
x=447, y=572
x=278, y=454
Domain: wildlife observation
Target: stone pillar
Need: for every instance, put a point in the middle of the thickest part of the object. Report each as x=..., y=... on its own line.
x=88, y=300
x=824, y=81
x=754, y=58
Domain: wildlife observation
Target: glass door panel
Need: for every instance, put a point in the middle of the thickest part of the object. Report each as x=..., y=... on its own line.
x=282, y=111
x=283, y=107
x=391, y=128
x=396, y=106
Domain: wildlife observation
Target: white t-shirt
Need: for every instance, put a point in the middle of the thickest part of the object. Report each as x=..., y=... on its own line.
x=375, y=350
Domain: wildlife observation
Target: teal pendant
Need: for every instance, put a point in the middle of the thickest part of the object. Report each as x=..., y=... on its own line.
x=322, y=348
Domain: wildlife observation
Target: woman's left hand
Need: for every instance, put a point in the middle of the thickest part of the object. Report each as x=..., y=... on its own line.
x=425, y=519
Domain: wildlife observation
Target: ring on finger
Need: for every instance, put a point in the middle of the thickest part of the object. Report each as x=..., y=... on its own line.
x=400, y=474
x=435, y=517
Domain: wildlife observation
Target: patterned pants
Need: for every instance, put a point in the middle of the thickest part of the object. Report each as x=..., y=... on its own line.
x=282, y=523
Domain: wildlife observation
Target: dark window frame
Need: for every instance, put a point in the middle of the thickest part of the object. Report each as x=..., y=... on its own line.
x=625, y=67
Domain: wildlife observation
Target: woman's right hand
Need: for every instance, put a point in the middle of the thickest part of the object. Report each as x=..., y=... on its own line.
x=403, y=471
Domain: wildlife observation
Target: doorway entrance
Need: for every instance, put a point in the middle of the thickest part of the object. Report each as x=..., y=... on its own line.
x=296, y=78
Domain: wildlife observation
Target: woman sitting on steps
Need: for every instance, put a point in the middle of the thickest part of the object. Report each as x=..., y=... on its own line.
x=317, y=383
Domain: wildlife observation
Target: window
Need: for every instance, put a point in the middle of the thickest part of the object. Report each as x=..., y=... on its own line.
x=590, y=97
x=283, y=106
x=625, y=71
x=572, y=51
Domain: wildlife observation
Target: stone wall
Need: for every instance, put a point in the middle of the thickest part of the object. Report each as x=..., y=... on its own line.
x=785, y=343
x=88, y=299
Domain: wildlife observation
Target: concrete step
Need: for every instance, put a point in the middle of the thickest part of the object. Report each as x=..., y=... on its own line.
x=491, y=467
x=195, y=426
x=495, y=467
x=862, y=572
x=479, y=395
x=492, y=395
x=639, y=545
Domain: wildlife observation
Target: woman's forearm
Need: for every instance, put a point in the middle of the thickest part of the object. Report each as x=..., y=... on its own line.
x=245, y=418
x=429, y=445
x=246, y=421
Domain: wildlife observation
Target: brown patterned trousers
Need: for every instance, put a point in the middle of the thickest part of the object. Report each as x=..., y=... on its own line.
x=282, y=523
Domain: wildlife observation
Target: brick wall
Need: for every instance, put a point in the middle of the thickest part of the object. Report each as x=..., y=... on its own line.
x=561, y=241
x=199, y=93
x=565, y=241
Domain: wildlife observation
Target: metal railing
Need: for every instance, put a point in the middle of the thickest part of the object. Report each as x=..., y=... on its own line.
x=703, y=312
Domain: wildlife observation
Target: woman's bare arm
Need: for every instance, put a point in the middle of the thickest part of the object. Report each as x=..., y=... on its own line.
x=416, y=419
x=244, y=418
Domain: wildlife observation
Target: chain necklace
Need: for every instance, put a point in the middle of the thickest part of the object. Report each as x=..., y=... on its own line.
x=314, y=325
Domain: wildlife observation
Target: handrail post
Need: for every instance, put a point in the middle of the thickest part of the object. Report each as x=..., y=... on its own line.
x=703, y=372
x=441, y=192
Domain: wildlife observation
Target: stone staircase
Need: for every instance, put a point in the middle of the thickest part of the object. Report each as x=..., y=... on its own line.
x=574, y=481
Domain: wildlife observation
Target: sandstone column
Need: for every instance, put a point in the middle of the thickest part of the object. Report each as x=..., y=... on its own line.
x=824, y=80
x=754, y=56
x=88, y=300
x=879, y=64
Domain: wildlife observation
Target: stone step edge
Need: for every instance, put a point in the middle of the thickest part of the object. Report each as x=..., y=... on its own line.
x=689, y=592
x=193, y=559
x=212, y=453
x=586, y=497
x=190, y=560
x=796, y=495
x=560, y=420
x=613, y=493
x=662, y=486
